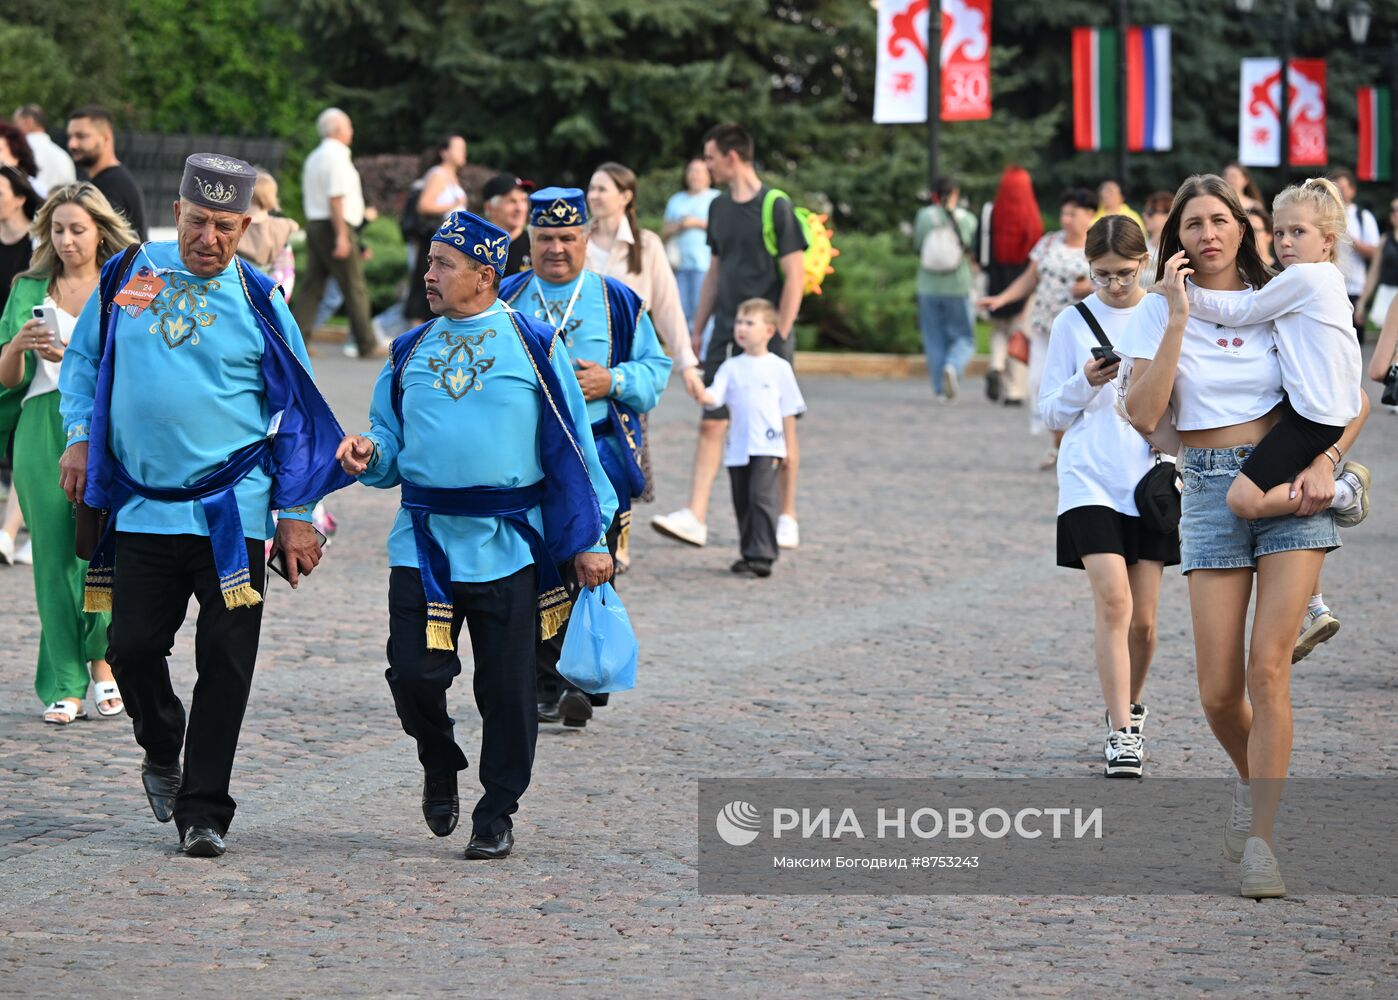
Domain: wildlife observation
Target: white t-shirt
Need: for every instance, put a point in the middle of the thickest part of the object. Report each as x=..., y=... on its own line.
x=329, y=173
x=1226, y=375
x=1319, y=353
x=759, y=393
x=46, y=372
x=1362, y=227
x=1102, y=457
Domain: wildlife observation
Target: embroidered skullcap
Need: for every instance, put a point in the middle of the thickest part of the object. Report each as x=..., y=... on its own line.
x=218, y=182
x=557, y=208
x=476, y=238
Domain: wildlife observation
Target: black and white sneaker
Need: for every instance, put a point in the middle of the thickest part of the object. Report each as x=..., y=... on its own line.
x=1138, y=717
x=1124, y=752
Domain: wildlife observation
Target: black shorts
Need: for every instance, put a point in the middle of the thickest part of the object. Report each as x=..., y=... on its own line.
x=721, y=351
x=1294, y=443
x=1087, y=531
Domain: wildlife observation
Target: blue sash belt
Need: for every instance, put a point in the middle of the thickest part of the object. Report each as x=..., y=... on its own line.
x=512, y=505
x=215, y=492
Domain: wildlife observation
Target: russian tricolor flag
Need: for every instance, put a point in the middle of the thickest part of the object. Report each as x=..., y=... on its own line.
x=1095, y=117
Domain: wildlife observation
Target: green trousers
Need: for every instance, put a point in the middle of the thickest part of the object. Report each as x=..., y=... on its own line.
x=69, y=637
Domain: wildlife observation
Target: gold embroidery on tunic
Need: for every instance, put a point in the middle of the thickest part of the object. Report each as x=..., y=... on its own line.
x=459, y=366
x=180, y=310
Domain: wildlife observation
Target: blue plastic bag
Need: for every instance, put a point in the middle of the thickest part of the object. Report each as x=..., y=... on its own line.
x=599, y=649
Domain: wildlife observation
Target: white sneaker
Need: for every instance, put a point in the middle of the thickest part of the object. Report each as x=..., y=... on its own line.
x=1358, y=478
x=1238, y=830
x=7, y=548
x=1261, y=876
x=1124, y=751
x=788, y=533
x=25, y=555
x=683, y=526
x=1318, y=626
x=949, y=383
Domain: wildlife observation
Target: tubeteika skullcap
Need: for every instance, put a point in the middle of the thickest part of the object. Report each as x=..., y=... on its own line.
x=218, y=182
x=476, y=238
x=557, y=208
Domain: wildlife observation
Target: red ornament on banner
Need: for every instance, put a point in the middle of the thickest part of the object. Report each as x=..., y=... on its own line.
x=1307, y=113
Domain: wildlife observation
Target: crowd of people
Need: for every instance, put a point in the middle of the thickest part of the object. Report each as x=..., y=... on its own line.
x=1202, y=404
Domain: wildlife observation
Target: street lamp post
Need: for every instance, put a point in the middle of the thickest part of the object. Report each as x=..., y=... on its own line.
x=1360, y=17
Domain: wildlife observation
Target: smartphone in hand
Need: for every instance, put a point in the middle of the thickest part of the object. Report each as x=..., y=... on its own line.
x=277, y=561
x=48, y=316
x=1104, y=354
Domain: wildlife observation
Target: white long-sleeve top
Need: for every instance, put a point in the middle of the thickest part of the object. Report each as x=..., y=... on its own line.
x=1316, y=345
x=1102, y=457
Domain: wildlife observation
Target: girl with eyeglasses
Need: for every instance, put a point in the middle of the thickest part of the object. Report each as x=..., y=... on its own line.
x=1100, y=461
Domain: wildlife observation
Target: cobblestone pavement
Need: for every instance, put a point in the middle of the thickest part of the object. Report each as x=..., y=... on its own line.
x=921, y=630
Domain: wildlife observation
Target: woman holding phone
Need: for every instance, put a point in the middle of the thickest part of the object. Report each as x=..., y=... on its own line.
x=1100, y=461
x=75, y=232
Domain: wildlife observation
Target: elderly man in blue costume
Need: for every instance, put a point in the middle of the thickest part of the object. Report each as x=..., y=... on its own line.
x=191, y=414
x=478, y=418
x=620, y=369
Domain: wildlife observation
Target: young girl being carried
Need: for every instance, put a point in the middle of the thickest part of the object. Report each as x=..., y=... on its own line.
x=1320, y=367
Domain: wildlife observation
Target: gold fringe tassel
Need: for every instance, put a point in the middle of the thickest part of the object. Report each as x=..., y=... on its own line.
x=97, y=590
x=439, y=626
x=241, y=596
x=554, y=609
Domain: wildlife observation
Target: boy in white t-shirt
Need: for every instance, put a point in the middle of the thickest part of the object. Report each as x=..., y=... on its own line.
x=759, y=388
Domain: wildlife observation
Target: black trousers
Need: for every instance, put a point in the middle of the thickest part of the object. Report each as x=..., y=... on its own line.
x=503, y=619
x=757, y=502
x=153, y=580
x=550, y=682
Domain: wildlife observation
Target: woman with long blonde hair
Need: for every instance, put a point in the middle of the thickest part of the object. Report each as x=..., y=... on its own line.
x=75, y=232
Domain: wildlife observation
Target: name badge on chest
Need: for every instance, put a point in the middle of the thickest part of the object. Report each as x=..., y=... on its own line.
x=139, y=292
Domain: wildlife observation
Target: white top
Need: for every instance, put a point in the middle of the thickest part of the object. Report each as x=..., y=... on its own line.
x=46, y=372
x=1319, y=353
x=55, y=165
x=1102, y=457
x=1226, y=375
x=654, y=283
x=329, y=173
x=1363, y=227
x=759, y=393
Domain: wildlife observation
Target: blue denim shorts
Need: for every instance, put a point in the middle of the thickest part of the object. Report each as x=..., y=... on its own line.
x=1213, y=537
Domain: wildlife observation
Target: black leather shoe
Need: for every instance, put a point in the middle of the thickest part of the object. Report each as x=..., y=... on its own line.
x=162, y=784
x=548, y=711
x=440, y=806
x=761, y=568
x=575, y=708
x=490, y=848
x=203, y=842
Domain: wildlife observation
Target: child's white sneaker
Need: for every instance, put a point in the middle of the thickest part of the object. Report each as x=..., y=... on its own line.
x=1318, y=626
x=682, y=526
x=788, y=532
x=1357, y=476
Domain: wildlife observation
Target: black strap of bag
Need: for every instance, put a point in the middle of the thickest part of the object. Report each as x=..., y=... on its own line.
x=1093, y=325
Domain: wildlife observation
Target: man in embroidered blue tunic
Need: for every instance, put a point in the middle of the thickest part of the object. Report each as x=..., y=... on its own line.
x=619, y=366
x=478, y=417
x=190, y=414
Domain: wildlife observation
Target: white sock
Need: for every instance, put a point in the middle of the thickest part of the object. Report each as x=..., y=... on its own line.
x=1317, y=602
x=1344, y=494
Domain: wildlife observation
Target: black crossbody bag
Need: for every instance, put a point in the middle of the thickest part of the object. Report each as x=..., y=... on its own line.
x=1157, y=497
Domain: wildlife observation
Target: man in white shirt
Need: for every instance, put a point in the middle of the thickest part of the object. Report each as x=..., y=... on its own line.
x=334, y=202
x=55, y=165
x=1363, y=242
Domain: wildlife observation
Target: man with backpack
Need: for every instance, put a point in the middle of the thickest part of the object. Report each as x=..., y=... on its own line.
x=758, y=252
x=942, y=232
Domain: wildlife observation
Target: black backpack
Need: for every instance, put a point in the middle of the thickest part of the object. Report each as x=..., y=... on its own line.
x=411, y=224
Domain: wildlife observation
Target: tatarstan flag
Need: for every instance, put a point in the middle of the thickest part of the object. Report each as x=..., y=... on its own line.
x=1375, y=134
x=1095, y=110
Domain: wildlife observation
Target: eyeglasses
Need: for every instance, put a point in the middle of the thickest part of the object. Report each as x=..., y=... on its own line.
x=1123, y=278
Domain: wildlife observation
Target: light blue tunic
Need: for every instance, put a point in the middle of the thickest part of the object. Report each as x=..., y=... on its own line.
x=471, y=407
x=588, y=334
x=187, y=392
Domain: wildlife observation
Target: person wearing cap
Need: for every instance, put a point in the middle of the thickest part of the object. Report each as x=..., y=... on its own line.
x=507, y=206
x=188, y=477
x=618, y=365
x=479, y=420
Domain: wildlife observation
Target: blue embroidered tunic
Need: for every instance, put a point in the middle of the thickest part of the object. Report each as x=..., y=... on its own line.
x=639, y=382
x=472, y=402
x=187, y=391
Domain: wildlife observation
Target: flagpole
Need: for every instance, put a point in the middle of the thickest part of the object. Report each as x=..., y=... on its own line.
x=1122, y=112
x=934, y=92
x=1284, y=98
